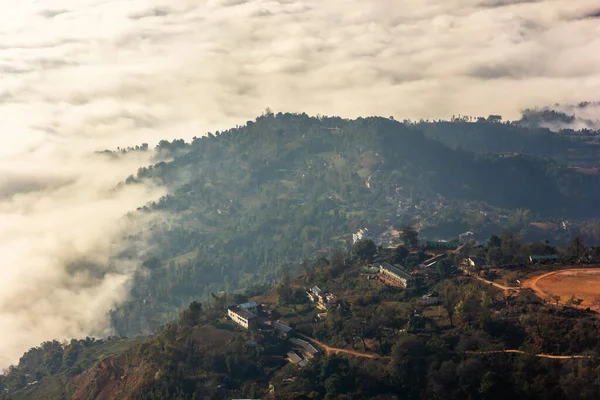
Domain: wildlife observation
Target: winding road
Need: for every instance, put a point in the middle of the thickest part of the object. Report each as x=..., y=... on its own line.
x=574, y=357
x=499, y=286
x=336, y=350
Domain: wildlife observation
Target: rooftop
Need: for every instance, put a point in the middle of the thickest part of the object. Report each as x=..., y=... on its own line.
x=295, y=358
x=303, y=363
x=281, y=327
x=305, y=345
x=241, y=312
x=397, y=271
x=246, y=306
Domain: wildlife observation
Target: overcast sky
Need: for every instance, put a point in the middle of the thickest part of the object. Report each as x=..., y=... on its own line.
x=84, y=75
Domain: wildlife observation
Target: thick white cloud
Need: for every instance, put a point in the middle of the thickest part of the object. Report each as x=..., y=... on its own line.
x=84, y=75
x=57, y=216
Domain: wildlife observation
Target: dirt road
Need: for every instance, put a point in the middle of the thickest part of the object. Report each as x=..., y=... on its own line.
x=497, y=285
x=335, y=350
x=535, y=355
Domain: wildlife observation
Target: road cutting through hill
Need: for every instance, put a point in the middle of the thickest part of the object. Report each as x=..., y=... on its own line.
x=498, y=285
x=541, y=355
x=336, y=350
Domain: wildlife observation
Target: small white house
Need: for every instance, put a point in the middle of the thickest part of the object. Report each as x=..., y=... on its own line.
x=314, y=294
x=241, y=317
x=362, y=234
x=431, y=299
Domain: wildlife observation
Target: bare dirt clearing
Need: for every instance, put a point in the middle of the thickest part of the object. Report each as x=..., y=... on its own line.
x=582, y=283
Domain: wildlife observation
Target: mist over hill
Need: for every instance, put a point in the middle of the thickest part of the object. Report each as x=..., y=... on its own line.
x=244, y=202
x=81, y=76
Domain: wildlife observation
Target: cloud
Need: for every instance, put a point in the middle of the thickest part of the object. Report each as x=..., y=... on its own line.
x=584, y=115
x=62, y=222
x=52, y=13
x=153, y=12
x=93, y=74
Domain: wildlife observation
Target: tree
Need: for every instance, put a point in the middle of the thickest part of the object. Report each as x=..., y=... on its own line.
x=494, y=241
x=576, y=247
x=450, y=299
x=409, y=365
x=409, y=236
x=192, y=315
x=510, y=244
x=400, y=254
x=444, y=268
x=574, y=300
x=552, y=297
x=364, y=250
x=494, y=256
x=285, y=275
x=491, y=387
x=494, y=119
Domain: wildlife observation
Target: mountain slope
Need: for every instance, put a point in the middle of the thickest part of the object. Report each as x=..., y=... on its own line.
x=278, y=190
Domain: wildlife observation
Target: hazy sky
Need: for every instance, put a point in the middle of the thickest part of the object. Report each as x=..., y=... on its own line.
x=83, y=75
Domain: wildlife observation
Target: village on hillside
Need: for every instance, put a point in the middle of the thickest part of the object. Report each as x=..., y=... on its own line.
x=321, y=311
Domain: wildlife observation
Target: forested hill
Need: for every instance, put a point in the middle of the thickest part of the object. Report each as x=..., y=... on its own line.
x=494, y=137
x=283, y=188
x=283, y=147
x=529, y=135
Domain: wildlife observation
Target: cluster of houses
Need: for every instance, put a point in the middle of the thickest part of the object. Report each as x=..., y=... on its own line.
x=323, y=300
x=246, y=315
x=304, y=348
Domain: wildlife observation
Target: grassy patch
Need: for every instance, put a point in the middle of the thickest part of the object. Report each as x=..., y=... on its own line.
x=184, y=258
x=98, y=353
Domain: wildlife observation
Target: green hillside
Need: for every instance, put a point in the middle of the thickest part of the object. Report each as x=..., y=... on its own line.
x=377, y=342
x=279, y=190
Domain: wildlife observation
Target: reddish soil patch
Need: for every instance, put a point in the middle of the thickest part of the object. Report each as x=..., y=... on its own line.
x=582, y=283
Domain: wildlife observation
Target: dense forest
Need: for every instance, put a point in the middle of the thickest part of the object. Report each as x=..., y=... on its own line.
x=280, y=189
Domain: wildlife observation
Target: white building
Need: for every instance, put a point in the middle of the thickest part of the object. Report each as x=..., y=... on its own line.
x=360, y=235
x=240, y=316
x=326, y=301
x=396, y=275
x=314, y=294
x=430, y=299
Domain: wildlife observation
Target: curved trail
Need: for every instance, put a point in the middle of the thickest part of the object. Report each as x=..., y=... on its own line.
x=497, y=285
x=532, y=283
x=574, y=357
x=336, y=350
